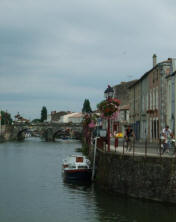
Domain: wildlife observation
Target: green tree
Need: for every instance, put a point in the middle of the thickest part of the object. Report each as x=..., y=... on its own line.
x=86, y=107
x=6, y=118
x=43, y=114
x=36, y=121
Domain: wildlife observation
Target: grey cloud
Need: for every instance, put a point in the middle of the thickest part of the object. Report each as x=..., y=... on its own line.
x=51, y=50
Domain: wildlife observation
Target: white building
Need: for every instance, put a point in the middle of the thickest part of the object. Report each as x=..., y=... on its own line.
x=76, y=118
x=49, y=118
x=71, y=118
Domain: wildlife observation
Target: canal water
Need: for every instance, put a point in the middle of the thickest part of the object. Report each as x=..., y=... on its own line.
x=32, y=190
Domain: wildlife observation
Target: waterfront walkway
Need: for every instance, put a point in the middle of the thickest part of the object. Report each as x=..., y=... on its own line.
x=140, y=149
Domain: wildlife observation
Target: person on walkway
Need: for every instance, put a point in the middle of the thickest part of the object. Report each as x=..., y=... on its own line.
x=116, y=140
x=129, y=138
x=167, y=136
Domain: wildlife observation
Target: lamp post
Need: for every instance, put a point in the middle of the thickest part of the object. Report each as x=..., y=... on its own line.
x=108, y=93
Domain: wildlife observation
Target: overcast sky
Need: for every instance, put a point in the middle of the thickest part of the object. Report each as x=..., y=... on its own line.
x=56, y=53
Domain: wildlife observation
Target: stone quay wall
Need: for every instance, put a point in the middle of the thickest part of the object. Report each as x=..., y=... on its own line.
x=151, y=178
x=6, y=133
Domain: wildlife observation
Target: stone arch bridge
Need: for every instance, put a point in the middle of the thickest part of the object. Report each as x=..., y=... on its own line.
x=47, y=132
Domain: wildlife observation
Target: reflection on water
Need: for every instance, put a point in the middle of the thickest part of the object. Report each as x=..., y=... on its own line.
x=118, y=208
x=32, y=189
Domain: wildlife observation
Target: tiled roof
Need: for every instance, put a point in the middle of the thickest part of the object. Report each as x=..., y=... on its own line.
x=145, y=74
x=76, y=115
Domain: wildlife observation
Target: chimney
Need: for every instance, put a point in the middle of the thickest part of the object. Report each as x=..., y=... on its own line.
x=154, y=60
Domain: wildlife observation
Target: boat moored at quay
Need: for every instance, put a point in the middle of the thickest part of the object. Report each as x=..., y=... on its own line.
x=77, y=168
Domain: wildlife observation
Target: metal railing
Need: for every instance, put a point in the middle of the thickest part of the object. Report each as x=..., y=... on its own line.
x=145, y=149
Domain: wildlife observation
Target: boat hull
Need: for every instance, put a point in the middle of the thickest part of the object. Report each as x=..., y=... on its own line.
x=80, y=175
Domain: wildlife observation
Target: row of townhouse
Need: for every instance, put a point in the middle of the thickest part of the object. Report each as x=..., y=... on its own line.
x=152, y=100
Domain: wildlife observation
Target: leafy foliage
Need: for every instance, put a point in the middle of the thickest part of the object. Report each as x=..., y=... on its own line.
x=6, y=118
x=43, y=114
x=108, y=107
x=36, y=121
x=86, y=107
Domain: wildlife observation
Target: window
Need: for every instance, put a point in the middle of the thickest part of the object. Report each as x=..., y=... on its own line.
x=156, y=97
x=147, y=101
x=125, y=115
x=150, y=99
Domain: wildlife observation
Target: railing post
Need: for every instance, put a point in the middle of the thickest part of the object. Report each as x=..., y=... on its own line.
x=123, y=146
x=109, y=138
x=160, y=147
x=145, y=147
x=94, y=158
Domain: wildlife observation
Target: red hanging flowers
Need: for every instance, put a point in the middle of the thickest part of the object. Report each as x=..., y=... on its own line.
x=108, y=107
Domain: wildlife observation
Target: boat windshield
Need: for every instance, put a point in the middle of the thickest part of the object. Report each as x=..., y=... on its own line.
x=82, y=167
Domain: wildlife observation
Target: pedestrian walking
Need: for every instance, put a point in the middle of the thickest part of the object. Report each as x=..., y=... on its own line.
x=167, y=136
x=129, y=138
x=116, y=140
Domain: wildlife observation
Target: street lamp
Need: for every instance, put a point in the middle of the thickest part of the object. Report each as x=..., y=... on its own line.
x=108, y=93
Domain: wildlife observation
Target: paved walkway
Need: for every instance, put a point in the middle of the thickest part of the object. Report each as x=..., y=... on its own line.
x=141, y=150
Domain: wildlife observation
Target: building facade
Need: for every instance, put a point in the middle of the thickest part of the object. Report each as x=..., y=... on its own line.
x=171, y=104
x=135, y=105
x=148, y=101
x=143, y=103
x=122, y=93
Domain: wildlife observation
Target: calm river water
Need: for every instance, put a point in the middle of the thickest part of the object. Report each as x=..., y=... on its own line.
x=32, y=190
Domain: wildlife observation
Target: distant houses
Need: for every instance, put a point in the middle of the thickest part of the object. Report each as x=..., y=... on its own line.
x=20, y=119
x=65, y=117
x=54, y=117
x=71, y=118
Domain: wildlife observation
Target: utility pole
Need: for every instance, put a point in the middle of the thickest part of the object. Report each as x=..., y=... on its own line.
x=0, y=125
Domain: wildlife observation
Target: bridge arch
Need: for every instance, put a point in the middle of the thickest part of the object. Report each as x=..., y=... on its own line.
x=47, y=131
x=61, y=133
x=21, y=133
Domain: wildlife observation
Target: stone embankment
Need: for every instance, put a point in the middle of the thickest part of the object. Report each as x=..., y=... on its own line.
x=138, y=176
x=6, y=133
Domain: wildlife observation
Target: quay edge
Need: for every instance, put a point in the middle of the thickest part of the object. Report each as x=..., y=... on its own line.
x=149, y=178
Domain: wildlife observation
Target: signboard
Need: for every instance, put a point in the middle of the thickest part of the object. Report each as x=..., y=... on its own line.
x=103, y=133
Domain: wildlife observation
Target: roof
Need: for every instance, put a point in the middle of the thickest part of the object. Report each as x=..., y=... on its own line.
x=145, y=74
x=129, y=83
x=76, y=115
x=57, y=115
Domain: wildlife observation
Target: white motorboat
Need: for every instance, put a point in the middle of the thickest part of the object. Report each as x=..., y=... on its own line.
x=77, y=167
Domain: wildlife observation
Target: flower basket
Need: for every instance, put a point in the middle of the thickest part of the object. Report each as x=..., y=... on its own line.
x=108, y=108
